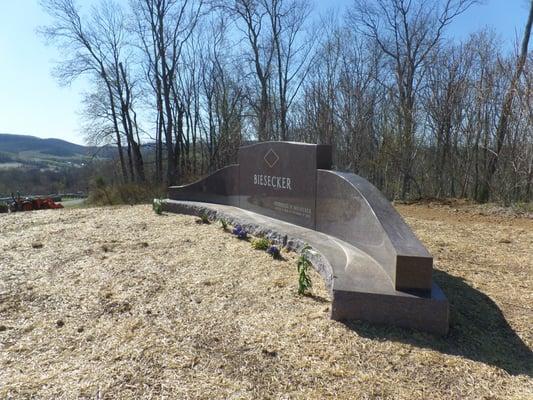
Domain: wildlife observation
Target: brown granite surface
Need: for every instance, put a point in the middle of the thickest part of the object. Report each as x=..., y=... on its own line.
x=378, y=270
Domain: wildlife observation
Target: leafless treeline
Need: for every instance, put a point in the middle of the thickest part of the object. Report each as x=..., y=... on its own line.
x=177, y=85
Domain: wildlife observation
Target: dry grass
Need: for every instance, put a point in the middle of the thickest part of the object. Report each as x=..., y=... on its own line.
x=122, y=303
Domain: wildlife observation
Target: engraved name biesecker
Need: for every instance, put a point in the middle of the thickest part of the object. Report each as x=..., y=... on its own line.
x=276, y=182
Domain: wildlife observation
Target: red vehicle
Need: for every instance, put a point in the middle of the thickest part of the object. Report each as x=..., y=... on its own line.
x=32, y=203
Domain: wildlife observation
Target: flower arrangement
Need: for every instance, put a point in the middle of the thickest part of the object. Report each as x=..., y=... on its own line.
x=240, y=232
x=274, y=252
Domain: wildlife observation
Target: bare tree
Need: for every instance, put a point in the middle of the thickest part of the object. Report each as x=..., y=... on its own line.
x=446, y=90
x=163, y=27
x=406, y=31
x=110, y=21
x=506, y=111
x=293, y=51
x=252, y=21
x=415, y=114
x=95, y=47
x=223, y=97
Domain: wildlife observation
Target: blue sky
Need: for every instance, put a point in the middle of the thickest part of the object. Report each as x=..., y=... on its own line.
x=33, y=103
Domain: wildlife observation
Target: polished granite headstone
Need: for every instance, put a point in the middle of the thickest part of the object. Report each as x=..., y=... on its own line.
x=377, y=270
x=279, y=179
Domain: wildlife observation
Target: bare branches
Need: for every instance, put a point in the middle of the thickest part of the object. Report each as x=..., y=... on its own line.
x=414, y=113
x=406, y=32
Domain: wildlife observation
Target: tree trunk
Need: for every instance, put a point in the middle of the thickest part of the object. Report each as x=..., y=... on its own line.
x=505, y=115
x=115, y=125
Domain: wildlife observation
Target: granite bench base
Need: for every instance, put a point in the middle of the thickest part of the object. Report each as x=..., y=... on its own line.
x=359, y=288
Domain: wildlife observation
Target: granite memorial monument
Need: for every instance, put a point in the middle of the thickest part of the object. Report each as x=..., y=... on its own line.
x=373, y=265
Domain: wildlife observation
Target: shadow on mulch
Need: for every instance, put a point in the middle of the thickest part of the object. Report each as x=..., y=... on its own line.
x=318, y=299
x=478, y=330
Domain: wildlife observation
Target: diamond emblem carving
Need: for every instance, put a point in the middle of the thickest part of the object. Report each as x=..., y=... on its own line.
x=271, y=158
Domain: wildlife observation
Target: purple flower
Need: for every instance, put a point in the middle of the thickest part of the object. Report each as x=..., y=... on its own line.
x=273, y=251
x=240, y=232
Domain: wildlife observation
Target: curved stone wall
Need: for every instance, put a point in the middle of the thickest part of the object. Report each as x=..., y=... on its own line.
x=220, y=187
x=352, y=209
x=378, y=265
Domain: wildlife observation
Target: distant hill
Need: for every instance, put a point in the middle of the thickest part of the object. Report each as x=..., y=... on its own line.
x=32, y=165
x=55, y=147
